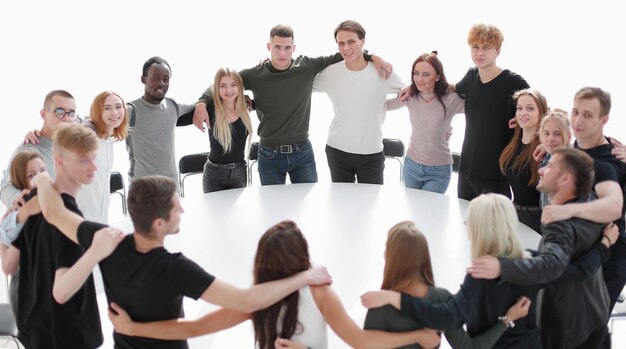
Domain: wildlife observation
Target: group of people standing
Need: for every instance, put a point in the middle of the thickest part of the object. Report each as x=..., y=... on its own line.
x=57, y=187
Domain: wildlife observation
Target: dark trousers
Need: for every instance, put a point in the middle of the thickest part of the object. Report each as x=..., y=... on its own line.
x=344, y=167
x=468, y=189
x=532, y=219
x=614, y=271
x=216, y=178
x=594, y=339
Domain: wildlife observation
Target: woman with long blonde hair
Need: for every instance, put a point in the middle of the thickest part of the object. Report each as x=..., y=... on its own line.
x=480, y=304
x=230, y=129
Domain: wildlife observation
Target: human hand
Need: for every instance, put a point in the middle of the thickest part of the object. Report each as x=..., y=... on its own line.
x=201, y=116
x=249, y=102
x=612, y=233
x=384, y=69
x=429, y=338
x=405, y=93
x=554, y=213
x=30, y=208
x=319, y=275
x=519, y=309
x=105, y=241
x=20, y=201
x=32, y=137
x=264, y=60
x=40, y=177
x=512, y=122
x=539, y=153
x=484, y=267
x=376, y=299
x=619, y=149
x=120, y=319
x=282, y=343
x=449, y=134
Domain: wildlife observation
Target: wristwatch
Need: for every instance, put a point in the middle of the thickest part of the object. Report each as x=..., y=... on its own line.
x=507, y=322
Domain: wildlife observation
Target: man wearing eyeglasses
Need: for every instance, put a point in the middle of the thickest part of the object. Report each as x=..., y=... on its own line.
x=59, y=107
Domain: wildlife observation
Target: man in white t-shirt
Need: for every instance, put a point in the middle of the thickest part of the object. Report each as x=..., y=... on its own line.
x=355, y=139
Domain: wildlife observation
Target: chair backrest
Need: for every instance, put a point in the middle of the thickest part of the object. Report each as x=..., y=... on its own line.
x=188, y=165
x=456, y=162
x=253, y=155
x=117, y=181
x=192, y=163
x=118, y=187
x=394, y=149
x=8, y=326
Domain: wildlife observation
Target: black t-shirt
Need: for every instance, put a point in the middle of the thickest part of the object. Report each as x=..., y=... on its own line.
x=239, y=135
x=609, y=168
x=523, y=193
x=488, y=108
x=149, y=286
x=41, y=321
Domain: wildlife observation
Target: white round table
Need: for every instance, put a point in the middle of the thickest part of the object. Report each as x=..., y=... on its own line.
x=346, y=227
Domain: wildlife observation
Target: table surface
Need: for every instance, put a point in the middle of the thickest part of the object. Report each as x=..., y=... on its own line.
x=345, y=225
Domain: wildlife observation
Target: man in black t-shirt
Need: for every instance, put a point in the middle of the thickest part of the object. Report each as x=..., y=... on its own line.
x=148, y=281
x=49, y=315
x=589, y=115
x=488, y=91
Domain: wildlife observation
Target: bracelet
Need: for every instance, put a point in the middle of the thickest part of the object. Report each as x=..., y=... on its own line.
x=507, y=322
x=607, y=239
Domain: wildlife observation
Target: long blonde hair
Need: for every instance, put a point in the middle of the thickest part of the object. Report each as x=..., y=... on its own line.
x=221, y=129
x=492, y=224
x=407, y=258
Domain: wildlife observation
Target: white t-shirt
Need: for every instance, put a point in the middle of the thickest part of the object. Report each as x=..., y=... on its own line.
x=358, y=99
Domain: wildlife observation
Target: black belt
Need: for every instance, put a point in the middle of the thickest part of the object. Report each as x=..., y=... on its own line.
x=230, y=165
x=527, y=208
x=286, y=148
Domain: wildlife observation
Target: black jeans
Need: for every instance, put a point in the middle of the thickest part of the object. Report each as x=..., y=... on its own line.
x=224, y=176
x=614, y=271
x=468, y=189
x=344, y=167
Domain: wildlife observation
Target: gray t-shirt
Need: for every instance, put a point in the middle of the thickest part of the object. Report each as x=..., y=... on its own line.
x=151, y=139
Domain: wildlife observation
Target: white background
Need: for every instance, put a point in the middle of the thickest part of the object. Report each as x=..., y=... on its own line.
x=87, y=47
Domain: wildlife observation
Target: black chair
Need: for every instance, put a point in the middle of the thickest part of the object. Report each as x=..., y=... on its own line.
x=253, y=155
x=394, y=149
x=189, y=165
x=118, y=187
x=8, y=326
x=456, y=162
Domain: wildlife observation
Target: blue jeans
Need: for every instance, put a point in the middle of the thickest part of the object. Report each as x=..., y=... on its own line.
x=296, y=159
x=429, y=178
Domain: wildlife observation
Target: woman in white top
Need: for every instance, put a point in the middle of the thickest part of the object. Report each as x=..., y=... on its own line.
x=301, y=317
x=108, y=120
x=428, y=161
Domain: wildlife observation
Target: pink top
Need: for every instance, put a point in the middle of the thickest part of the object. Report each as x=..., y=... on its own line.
x=429, y=125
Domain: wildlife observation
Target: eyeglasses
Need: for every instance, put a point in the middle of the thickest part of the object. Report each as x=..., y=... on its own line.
x=60, y=113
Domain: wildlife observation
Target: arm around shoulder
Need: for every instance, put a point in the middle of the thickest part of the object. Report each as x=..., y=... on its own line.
x=344, y=326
